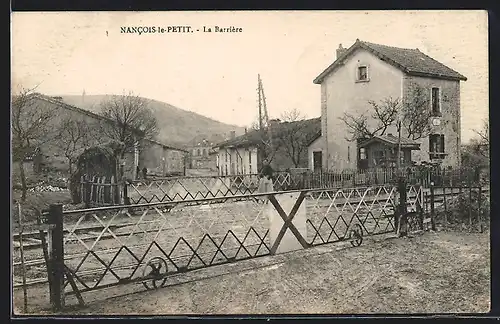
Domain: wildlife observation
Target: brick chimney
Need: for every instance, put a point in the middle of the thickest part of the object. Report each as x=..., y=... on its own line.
x=340, y=51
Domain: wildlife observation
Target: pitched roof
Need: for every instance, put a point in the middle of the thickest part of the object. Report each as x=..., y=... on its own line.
x=57, y=101
x=392, y=141
x=410, y=61
x=254, y=137
x=315, y=137
x=170, y=147
x=62, y=104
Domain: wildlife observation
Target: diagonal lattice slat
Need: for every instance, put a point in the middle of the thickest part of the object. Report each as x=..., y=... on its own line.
x=331, y=213
x=113, y=245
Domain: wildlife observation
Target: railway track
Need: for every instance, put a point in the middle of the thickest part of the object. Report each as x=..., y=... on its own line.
x=98, y=271
x=31, y=239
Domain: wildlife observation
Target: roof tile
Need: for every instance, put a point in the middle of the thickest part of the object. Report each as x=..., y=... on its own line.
x=411, y=61
x=253, y=137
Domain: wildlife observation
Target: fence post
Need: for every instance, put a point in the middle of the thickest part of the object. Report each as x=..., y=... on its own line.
x=56, y=256
x=470, y=208
x=433, y=223
x=479, y=209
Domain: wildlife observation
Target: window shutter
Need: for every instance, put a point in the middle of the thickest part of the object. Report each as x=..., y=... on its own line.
x=430, y=143
x=442, y=143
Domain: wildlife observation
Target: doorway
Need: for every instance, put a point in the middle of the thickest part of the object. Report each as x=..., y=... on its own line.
x=317, y=161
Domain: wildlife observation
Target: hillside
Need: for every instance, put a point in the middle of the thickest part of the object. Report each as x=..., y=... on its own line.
x=177, y=127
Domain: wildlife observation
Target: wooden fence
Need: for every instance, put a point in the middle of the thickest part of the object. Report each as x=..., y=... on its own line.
x=103, y=191
x=413, y=175
x=100, y=191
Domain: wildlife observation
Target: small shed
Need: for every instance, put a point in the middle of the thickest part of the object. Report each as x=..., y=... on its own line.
x=381, y=151
x=96, y=161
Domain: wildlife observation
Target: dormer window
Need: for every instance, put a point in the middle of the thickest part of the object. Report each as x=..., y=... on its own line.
x=362, y=74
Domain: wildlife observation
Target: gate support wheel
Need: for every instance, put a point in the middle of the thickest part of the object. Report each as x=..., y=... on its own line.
x=356, y=235
x=154, y=272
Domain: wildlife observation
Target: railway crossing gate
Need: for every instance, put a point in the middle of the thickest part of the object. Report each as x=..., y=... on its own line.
x=98, y=248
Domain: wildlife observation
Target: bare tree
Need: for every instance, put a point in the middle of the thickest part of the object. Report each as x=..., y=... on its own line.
x=474, y=154
x=481, y=144
x=416, y=114
x=293, y=135
x=411, y=115
x=131, y=121
x=73, y=136
x=30, y=127
x=384, y=114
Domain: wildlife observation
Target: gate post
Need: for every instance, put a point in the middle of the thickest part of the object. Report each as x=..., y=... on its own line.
x=419, y=200
x=433, y=222
x=126, y=199
x=56, y=256
x=88, y=192
x=399, y=219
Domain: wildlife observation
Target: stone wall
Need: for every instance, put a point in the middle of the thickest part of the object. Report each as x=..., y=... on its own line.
x=449, y=122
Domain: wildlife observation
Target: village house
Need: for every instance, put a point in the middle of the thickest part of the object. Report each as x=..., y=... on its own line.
x=371, y=72
x=201, y=155
x=238, y=155
x=163, y=160
x=157, y=157
x=241, y=155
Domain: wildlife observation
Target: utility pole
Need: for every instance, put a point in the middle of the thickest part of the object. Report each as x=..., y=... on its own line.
x=260, y=103
x=264, y=125
x=269, y=128
x=260, y=151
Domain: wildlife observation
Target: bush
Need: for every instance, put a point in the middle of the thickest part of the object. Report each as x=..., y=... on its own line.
x=457, y=209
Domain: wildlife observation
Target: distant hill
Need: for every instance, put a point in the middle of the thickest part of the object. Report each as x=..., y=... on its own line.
x=177, y=127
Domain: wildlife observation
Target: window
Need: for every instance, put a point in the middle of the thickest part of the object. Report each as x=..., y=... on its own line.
x=362, y=153
x=436, y=146
x=362, y=73
x=436, y=104
x=250, y=161
x=198, y=152
x=363, y=158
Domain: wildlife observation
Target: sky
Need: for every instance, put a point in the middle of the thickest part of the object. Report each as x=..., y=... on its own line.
x=215, y=74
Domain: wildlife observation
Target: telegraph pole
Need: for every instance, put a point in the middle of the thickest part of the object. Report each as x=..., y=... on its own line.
x=261, y=126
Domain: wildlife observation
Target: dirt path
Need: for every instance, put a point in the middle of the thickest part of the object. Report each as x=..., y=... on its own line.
x=435, y=272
